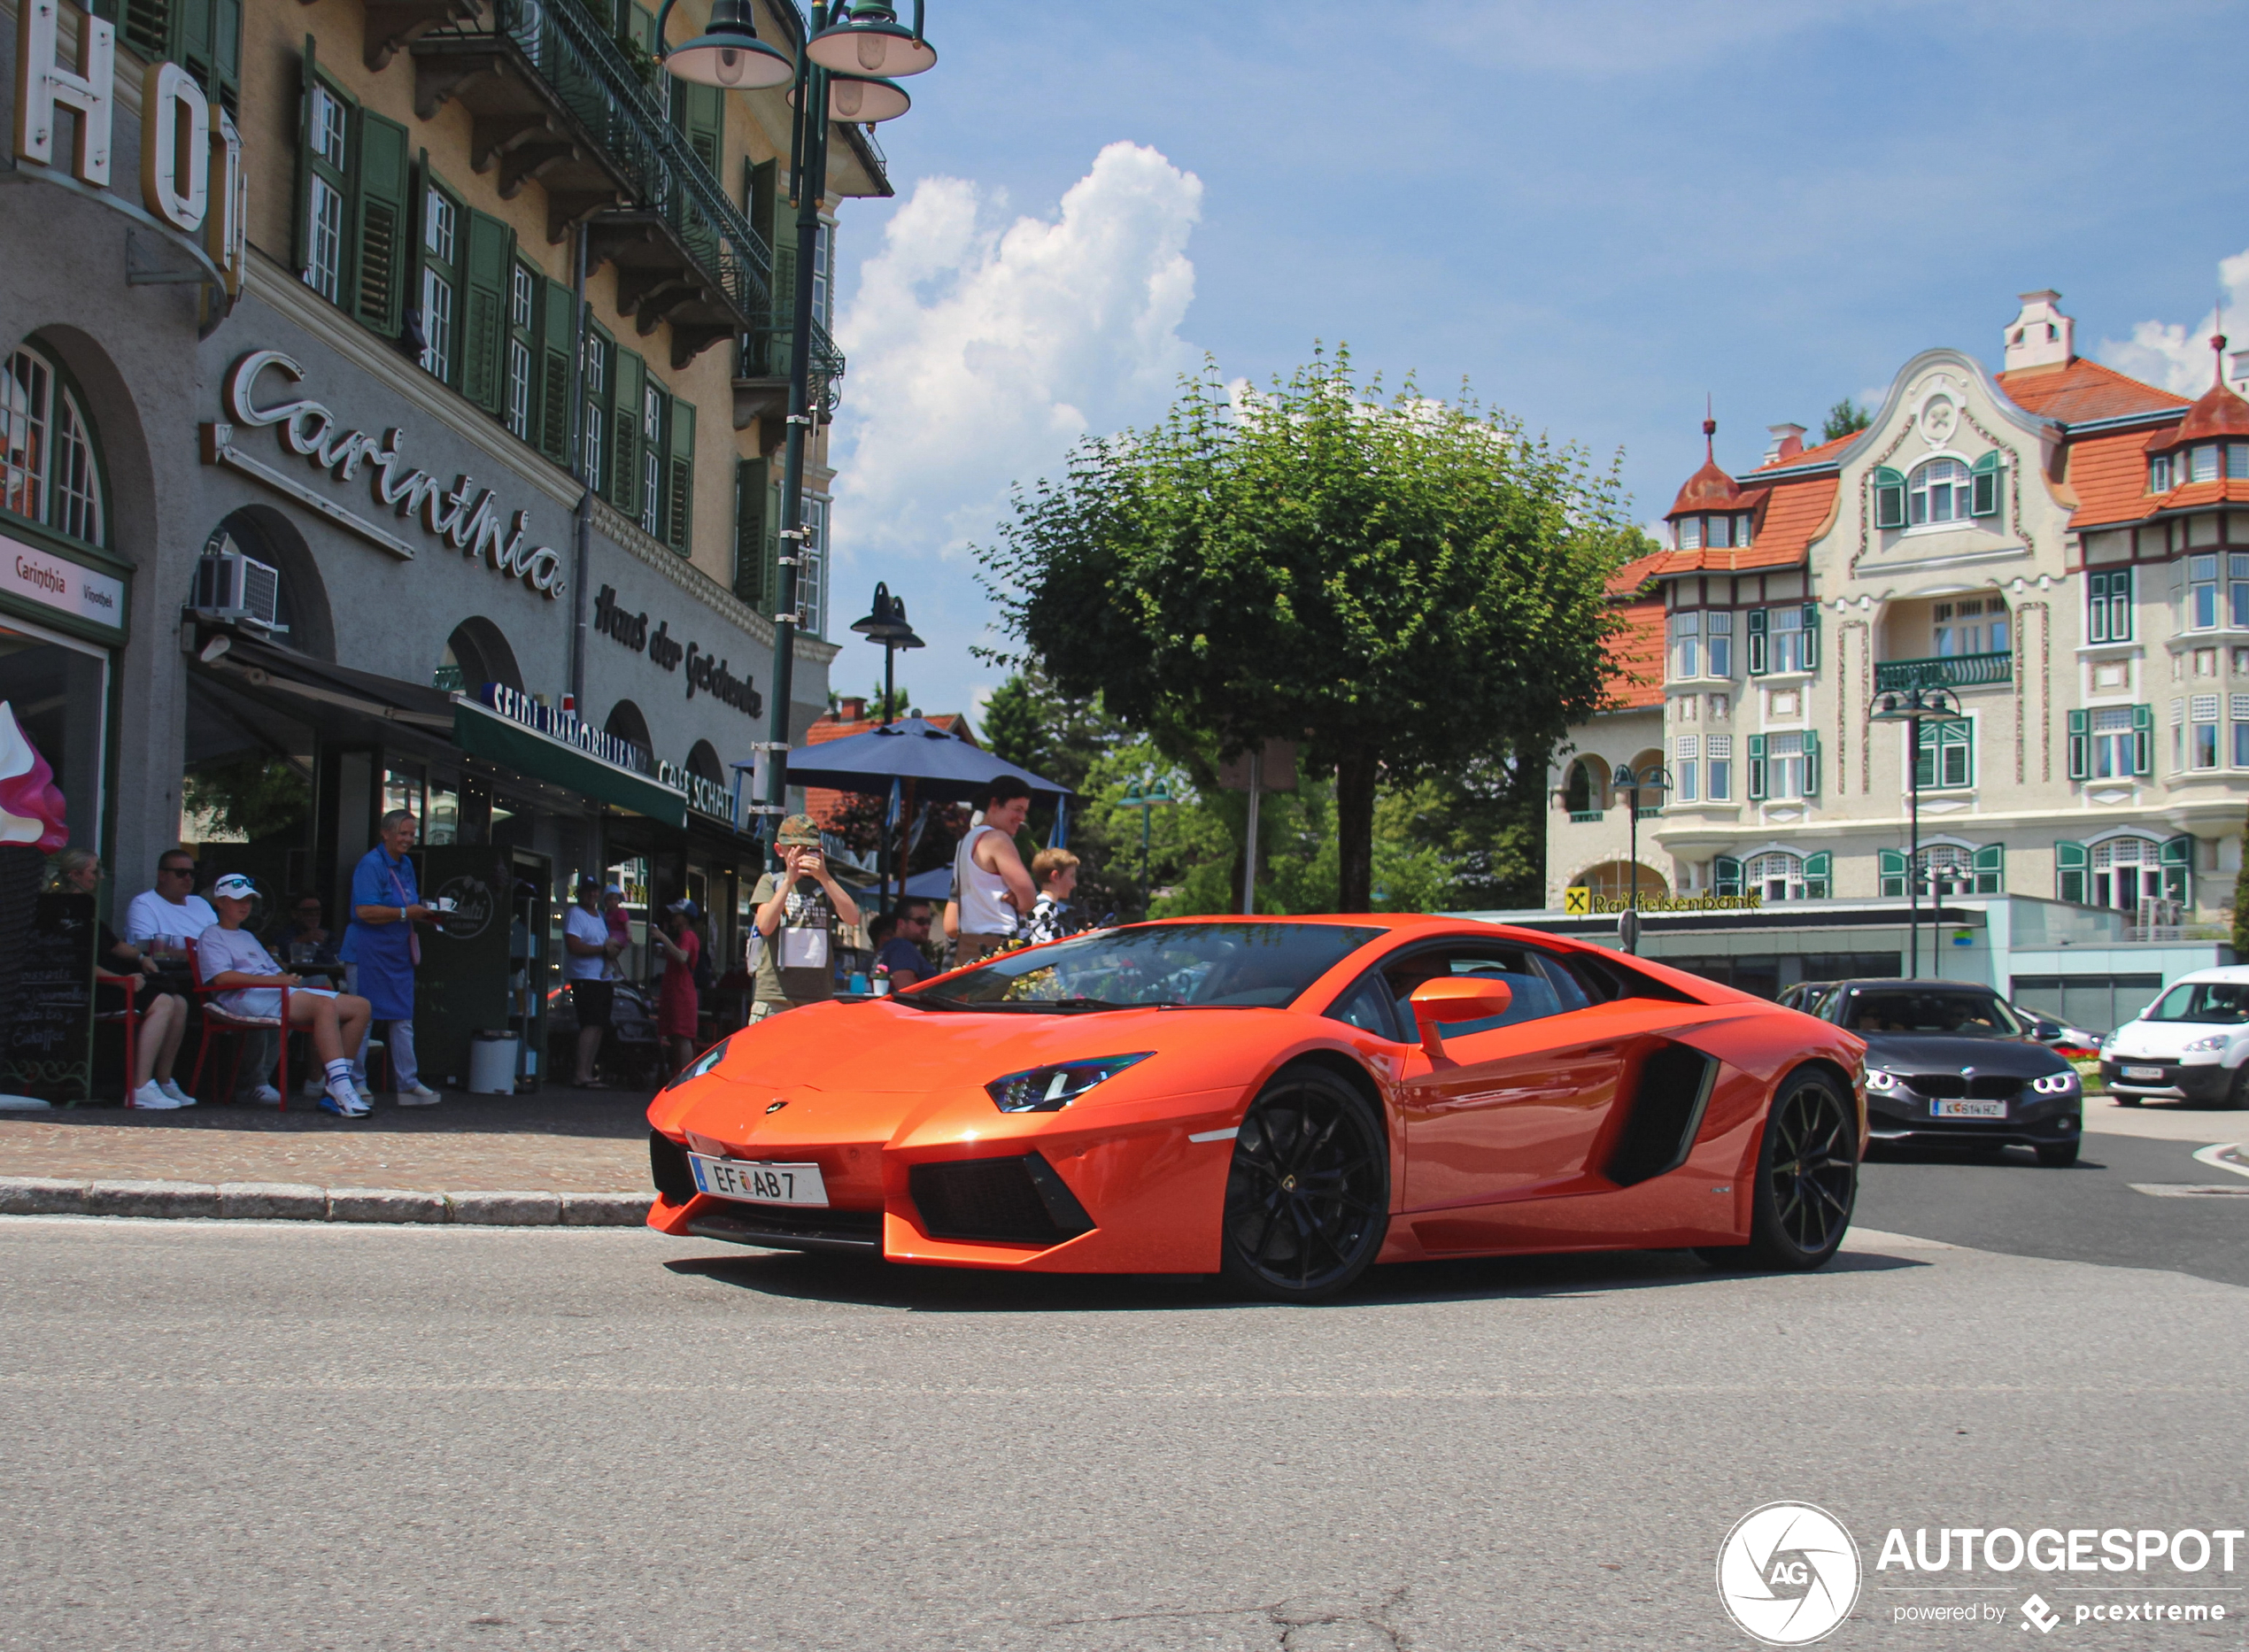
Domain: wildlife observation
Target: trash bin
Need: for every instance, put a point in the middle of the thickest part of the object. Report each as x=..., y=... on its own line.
x=491, y=1063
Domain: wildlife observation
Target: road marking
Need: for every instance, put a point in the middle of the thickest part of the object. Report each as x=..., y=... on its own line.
x=1228, y=1135
x=2223, y=1157
x=2190, y=1190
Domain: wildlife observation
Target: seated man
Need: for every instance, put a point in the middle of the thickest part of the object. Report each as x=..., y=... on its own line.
x=247, y=981
x=899, y=937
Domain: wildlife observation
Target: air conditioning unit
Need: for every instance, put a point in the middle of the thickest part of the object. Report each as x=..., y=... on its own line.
x=231, y=586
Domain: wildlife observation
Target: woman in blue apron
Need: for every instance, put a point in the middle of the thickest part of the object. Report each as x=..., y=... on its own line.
x=386, y=904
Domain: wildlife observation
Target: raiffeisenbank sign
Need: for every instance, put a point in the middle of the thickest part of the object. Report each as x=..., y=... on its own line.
x=191, y=173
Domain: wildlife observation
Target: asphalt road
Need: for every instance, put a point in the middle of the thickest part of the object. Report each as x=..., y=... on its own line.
x=276, y=1437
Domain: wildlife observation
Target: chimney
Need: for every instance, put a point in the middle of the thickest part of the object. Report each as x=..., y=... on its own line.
x=1787, y=442
x=851, y=710
x=2041, y=336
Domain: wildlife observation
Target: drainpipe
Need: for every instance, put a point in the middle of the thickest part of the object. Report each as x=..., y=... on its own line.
x=581, y=547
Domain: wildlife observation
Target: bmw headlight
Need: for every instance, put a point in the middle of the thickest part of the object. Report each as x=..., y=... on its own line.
x=2056, y=1084
x=1883, y=1083
x=700, y=1065
x=2216, y=1041
x=1051, y=1089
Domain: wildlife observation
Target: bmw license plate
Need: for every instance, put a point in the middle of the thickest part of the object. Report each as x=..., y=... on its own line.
x=2142, y=1072
x=1968, y=1109
x=760, y=1184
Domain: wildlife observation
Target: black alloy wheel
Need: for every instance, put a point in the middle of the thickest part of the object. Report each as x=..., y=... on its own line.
x=1308, y=1198
x=1807, y=1179
x=2057, y=1155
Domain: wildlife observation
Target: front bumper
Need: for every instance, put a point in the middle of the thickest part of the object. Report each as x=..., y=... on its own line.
x=2205, y=1084
x=2032, y=1120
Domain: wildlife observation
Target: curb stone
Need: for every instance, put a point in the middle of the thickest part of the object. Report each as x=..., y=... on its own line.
x=267, y=1202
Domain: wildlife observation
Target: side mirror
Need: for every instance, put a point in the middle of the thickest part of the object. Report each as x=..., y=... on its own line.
x=2045, y=1031
x=1453, y=999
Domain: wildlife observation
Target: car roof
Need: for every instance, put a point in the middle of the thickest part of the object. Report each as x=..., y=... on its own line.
x=2232, y=974
x=1923, y=983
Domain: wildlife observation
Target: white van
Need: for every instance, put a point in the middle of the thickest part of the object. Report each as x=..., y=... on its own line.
x=2190, y=1045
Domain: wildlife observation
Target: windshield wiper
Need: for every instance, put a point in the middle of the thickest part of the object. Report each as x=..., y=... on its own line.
x=931, y=1000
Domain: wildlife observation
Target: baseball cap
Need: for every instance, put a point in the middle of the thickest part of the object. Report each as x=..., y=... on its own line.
x=798, y=832
x=687, y=907
x=612, y=889
x=235, y=886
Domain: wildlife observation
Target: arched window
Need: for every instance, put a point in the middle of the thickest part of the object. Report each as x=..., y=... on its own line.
x=2125, y=869
x=1951, y=870
x=50, y=471
x=1938, y=492
x=1582, y=791
x=1776, y=876
x=702, y=761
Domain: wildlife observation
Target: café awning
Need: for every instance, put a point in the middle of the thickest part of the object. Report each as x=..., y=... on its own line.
x=485, y=733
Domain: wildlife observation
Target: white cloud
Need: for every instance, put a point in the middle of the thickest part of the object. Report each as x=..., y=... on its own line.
x=980, y=351
x=2176, y=355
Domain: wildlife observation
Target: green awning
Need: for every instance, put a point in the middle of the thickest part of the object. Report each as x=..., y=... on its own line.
x=485, y=733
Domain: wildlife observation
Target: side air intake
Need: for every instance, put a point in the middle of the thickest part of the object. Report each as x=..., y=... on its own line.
x=1666, y=1111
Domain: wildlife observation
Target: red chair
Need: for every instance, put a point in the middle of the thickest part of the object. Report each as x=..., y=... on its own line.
x=227, y=1023
x=130, y=1016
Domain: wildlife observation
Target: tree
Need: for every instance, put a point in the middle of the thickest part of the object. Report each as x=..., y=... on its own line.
x=1845, y=417
x=1411, y=588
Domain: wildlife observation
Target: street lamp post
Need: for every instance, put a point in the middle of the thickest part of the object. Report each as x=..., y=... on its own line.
x=846, y=45
x=1653, y=777
x=886, y=623
x=1910, y=706
x=1154, y=796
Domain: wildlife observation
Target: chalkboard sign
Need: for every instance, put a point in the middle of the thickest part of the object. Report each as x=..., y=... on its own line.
x=47, y=1031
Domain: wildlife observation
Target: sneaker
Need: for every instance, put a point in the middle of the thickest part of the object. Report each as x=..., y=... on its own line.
x=265, y=1095
x=150, y=1096
x=339, y=1100
x=314, y=1087
x=359, y=1087
x=171, y=1087
x=418, y=1095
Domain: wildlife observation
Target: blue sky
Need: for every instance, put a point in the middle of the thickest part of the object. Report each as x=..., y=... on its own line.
x=1596, y=213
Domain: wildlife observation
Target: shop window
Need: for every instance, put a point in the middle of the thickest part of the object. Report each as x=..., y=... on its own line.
x=60, y=693
x=50, y=470
x=2108, y=607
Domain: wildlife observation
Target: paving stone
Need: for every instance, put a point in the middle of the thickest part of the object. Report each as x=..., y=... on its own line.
x=605, y=1210
x=385, y=1204
x=506, y=1209
x=292, y=1201
x=41, y=1196
x=151, y=1198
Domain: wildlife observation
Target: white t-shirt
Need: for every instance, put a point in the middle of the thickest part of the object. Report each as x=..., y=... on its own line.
x=152, y=918
x=219, y=949
x=594, y=928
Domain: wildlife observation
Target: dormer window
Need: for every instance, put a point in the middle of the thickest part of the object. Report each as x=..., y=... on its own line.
x=2205, y=463
x=1719, y=533
x=1938, y=492
x=1690, y=533
x=2159, y=473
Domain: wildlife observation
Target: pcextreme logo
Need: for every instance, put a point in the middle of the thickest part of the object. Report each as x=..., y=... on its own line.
x=1788, y=1573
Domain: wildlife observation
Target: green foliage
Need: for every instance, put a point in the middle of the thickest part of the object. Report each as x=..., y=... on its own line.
x=250, y=793
x=1411, y=588
x=1845, y=417
x=2241, y=905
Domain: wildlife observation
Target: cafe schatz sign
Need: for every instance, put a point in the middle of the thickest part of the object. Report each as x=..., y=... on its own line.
x=462, y=517
x=705, y=797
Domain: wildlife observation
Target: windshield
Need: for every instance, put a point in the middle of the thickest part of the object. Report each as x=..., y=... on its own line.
x=1920, y=1009
x=2225, y=1003
x=1240, y=965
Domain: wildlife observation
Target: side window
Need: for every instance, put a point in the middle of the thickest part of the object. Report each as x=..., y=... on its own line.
x=1366, y=1007
x=1540, y=987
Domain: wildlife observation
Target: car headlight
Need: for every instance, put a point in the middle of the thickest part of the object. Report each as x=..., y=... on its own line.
x=2055, y=1084
x=1882, y=1082
x=2216, y=1041
x=1051, y=1089
x=700, y=1065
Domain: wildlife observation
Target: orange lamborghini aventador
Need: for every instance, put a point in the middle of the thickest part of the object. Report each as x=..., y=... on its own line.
x=1283, y=1102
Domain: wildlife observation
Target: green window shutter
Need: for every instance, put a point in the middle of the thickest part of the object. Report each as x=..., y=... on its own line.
x=2178, y=867
x=2070, y=872
x=2143, y=740
x=749, y=529
x=1725, y=875
x=190, y=44
x=702, y=112
x=1818, y=874
x=1983, y=485
x=628, y=388
x=225, y=51
x=147, y=27
x=1891, y=866
x=1889, y=497
x=2096, y=607
x=380, y=224
x=1757, y=642
x=1811, y=636
x=679, y=478
x=1991, y=869
x=1757, y=769
x=1811, y=763
x=558, y=330
x=772, y=540
x=1924, y=753
x=486, y=270
x=2080, y=762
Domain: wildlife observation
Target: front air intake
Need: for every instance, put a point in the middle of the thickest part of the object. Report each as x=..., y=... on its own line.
x=668, y=1165
x=1014, y=1201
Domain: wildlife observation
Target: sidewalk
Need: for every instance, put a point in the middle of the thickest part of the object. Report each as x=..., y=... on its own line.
x=565, y=1141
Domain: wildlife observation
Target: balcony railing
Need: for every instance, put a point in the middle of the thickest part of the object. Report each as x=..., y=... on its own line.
x=1946, y=671
x=764, y=354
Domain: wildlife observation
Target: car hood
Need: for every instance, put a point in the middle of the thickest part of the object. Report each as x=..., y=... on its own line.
x=2162, y=1040
x=1937, y=1053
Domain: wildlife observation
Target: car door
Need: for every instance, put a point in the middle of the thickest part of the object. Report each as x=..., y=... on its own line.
x=1520, y=1102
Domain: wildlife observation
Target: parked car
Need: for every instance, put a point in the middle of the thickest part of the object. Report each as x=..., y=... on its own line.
x=1805, y=995
x=2190, y=1045
x=628, y=1053
x=1948, y=1062
x=2076, y=1043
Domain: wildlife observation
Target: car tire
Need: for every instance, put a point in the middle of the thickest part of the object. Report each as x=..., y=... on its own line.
x=2058, y=1155
x=1807, y=1179
x=2124, y=1100
x=1308, y=1195
x=2237, y=1094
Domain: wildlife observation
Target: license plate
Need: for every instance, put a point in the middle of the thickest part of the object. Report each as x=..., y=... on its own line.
x=2143, y=1072
x=1968, y=1109
x=760, y=1184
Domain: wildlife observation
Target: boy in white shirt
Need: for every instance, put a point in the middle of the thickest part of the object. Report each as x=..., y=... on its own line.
x=230, y=958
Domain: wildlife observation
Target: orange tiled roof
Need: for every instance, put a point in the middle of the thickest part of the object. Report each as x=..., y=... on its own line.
x=2078, y=391
x=1794, y=513
x=1709, y=488
x=1638, y=650
x=2219, y=413
x=2109, y=476
x=1627, y=580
